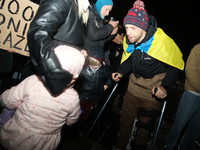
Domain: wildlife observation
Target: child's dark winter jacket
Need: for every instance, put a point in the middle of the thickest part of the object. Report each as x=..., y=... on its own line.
x=92, y=84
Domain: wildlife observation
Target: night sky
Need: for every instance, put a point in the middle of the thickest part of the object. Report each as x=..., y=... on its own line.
x=180, y=19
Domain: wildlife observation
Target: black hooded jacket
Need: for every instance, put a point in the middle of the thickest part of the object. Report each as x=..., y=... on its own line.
x=54, y=20
x=96, y=32
x=143, y=65
x=92, y=84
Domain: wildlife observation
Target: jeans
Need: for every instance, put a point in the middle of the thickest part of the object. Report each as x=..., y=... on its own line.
x=188, y=111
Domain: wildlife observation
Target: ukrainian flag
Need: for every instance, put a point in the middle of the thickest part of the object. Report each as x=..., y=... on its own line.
x=160, y=47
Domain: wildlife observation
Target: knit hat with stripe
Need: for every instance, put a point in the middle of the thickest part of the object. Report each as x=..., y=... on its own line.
x=137, y=16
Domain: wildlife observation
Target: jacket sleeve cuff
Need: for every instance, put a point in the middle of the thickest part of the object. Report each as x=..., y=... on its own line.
x=47, y=65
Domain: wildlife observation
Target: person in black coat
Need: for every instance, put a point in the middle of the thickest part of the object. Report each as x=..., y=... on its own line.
x=97, y=32
x=115, y=59
x=55, y=20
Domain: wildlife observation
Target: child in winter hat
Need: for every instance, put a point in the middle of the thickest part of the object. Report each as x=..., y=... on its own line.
x=70, y=58
x=95, y=78
x=96, y=58
x=39, y=116
x=137, y=16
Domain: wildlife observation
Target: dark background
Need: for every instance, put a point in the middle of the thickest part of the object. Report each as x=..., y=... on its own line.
x=180, y=19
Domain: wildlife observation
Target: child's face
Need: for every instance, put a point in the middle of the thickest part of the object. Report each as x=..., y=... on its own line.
x=95, y=67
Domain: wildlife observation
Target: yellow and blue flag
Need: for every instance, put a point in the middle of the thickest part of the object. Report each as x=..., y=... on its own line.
x=160, y=46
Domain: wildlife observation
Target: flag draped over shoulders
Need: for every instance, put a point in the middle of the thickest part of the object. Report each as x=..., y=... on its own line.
x=161, y=47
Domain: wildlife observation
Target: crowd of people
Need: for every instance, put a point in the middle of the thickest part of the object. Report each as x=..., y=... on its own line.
x=66, y=77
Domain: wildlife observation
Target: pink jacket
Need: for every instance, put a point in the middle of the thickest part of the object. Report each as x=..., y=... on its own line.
x=39, y=117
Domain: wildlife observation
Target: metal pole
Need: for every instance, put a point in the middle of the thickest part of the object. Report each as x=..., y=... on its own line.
x=163, y=109
x=98, y=116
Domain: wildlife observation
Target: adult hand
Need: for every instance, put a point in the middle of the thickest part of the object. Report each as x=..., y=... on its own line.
x=105, y=87
x=75, y=77
x=116, y=76
x=10, y=51
x=160, y=93
x=114, y=23
x=114, y=31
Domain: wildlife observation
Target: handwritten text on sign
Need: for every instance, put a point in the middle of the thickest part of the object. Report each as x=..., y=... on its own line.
x=15, y=17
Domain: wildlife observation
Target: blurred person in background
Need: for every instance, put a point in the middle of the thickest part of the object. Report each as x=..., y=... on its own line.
x=188, y=111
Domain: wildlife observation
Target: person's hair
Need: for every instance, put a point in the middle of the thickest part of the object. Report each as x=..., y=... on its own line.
x=92, y=61
x=84, y=15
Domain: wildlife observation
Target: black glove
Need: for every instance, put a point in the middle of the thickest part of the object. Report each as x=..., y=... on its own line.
x=56, y=80
x=53, y=76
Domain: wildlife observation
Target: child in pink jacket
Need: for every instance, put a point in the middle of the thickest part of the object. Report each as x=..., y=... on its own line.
x=39, y=116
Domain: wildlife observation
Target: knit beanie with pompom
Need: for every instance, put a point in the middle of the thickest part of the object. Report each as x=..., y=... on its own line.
x=137, y=16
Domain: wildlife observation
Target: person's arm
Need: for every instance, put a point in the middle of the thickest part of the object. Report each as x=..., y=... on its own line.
x=170, y=77
x=12, y=98
x=49, y=17
x=125, y=67
x=192, y=68
x=167, y=83
x=74, y=115
x=95, y=33
x=112, y=35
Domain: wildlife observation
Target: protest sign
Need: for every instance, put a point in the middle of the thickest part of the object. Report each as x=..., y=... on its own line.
x=15, y=18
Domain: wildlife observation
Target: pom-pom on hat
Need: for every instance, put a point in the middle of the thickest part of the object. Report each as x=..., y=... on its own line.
x=137, y=16
x=70, y=59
